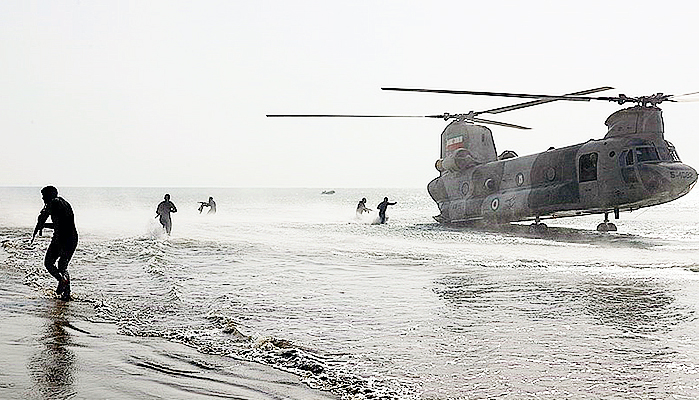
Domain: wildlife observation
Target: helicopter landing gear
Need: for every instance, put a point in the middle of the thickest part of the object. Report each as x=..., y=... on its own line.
x=606, y=225
x=537, y=227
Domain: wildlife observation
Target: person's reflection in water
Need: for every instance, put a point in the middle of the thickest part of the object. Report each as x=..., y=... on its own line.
x=52, y=366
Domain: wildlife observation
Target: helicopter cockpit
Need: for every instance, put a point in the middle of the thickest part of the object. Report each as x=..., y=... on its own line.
x=673, y=155
x=646, y=154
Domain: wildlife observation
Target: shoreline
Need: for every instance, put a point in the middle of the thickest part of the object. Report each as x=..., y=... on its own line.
x=52, y=349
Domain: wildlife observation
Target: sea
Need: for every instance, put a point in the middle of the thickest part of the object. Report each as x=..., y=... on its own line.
x=293, y=280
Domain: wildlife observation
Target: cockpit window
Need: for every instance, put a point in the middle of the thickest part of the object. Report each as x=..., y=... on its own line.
x=672, y=152
x=630, y=158
x=646, y=154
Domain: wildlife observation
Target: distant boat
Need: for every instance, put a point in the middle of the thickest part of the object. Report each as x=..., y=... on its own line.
x=328, y=192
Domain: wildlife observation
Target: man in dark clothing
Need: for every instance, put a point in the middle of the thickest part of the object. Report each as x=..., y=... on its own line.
x=163, y=211
x=382, y=209
x=64, y=239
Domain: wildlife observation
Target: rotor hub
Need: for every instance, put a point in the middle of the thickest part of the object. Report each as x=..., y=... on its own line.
x=644, y=101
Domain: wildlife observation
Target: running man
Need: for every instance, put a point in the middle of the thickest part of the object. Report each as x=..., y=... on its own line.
x=64, y=240
x=382, y=209
x=163, y=211
x=362, y=207
x=211, y=204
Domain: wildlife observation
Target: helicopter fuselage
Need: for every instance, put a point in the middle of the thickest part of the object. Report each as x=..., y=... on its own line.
x=632, y=167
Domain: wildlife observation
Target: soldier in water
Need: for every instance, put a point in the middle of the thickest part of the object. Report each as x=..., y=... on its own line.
x=382, y=209
x=362, y=207
x=211, y=204
x=163, y=211
x=64, y=239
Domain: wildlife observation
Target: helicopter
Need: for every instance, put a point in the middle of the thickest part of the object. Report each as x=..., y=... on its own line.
x=632, y=167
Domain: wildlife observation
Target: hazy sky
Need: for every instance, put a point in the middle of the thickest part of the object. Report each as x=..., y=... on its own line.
x=174, y=93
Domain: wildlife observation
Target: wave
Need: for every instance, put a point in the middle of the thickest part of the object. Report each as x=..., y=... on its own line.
x=140, y=284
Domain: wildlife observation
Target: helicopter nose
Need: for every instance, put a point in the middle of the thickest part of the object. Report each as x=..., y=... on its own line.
x=676, y=178
x=691, y=176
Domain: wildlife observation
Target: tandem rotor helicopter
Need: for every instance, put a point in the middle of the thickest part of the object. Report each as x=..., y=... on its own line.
x=632, y=167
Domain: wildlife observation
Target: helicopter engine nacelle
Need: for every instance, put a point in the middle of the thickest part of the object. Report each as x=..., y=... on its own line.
x=459, y=160
x=634, y=121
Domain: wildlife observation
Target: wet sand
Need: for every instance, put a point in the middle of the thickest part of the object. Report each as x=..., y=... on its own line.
x=54, y=350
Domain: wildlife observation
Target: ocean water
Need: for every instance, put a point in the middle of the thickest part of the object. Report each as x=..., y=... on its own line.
x=293, y=279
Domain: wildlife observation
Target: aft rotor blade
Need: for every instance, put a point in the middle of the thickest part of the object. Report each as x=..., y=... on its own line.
x=349, y=116
x=486, y=121
x=538, y=102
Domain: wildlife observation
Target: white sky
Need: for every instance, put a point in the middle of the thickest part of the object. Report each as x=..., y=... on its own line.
x=174, y=93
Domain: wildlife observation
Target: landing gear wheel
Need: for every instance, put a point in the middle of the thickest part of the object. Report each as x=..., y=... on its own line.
x=537, y=228
x=607, y=227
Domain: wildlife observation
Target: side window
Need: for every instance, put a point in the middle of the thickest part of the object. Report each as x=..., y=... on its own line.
x=588, y=167
x=626, y=161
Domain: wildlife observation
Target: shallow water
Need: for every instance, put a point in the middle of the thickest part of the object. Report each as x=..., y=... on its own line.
x=292, y=279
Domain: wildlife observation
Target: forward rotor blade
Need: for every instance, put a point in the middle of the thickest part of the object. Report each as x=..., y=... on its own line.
x=687, y=97
x=538, y=102
x=349, y=116
x=653, y=100
x=486, y=121
x=518, y=95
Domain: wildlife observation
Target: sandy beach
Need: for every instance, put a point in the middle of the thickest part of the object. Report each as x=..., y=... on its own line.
x=56, y=350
